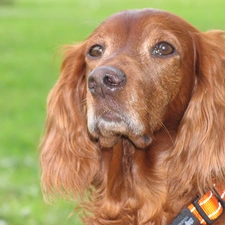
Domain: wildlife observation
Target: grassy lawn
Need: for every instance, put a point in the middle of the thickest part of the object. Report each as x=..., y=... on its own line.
x=30, y=33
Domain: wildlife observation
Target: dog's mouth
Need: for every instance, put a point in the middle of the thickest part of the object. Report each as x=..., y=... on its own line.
x=109, y=127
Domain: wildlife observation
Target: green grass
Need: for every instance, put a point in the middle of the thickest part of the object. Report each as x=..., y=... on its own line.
x=31, y=31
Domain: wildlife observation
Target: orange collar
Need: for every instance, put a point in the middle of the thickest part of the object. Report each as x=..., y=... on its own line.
x=205, y=210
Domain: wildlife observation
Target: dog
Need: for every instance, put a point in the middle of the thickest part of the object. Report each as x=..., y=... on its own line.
x=136, y=122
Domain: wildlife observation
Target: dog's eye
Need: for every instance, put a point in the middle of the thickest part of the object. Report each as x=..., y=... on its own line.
x=163, y=49
x=96, y=51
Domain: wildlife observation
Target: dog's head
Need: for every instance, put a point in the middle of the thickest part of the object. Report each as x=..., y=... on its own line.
x=140, y=73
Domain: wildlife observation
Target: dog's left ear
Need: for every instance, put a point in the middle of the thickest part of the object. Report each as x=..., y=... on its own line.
x=200, y=145
x=69, y=158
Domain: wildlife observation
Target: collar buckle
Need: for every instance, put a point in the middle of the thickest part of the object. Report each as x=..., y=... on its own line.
x=202, y=213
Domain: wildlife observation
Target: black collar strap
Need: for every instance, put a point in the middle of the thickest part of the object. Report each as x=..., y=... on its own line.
x=205, y=210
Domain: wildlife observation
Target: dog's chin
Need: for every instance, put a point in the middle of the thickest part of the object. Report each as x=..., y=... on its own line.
x=139, y=142
x=108, y=142
x=110, y=133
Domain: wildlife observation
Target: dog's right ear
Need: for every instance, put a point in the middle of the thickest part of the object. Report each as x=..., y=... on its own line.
x=201, y=134
x=69, y=159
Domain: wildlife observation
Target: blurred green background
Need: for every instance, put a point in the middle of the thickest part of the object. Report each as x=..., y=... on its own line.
x=31, y=32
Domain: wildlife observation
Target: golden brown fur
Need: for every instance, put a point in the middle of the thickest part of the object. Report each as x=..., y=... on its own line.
x=147, y=144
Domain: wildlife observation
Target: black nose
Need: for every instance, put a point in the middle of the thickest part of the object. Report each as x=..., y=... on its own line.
x=106, y=80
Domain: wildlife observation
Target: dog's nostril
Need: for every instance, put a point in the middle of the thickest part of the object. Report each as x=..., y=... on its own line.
x=114, y=79
x=108, y=80
x=91, y=83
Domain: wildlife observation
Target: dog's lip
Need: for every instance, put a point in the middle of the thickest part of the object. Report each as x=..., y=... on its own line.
x=140, y=142
x=111, y=126
x=111, y=116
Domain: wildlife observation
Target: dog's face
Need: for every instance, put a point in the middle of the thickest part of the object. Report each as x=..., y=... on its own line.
x=140, y=73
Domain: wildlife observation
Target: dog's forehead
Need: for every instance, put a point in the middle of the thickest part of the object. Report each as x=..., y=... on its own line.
x=137, y=14
x=135, y=30
x=137, y=21
x=138, y=25
x=134, y=19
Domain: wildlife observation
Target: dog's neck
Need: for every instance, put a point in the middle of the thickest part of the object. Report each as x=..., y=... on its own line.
x=120, y=169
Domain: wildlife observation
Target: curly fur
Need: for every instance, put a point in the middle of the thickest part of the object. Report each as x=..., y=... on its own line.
x=177, y=102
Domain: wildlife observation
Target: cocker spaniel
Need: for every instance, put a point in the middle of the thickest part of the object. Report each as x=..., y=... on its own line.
x=136, y=121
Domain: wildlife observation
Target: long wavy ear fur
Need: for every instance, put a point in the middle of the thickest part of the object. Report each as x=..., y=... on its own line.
x=69, y=158
x=198, y=157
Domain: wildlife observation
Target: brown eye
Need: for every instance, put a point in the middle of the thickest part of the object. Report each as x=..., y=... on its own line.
x=96, y=51
x=163, y=49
